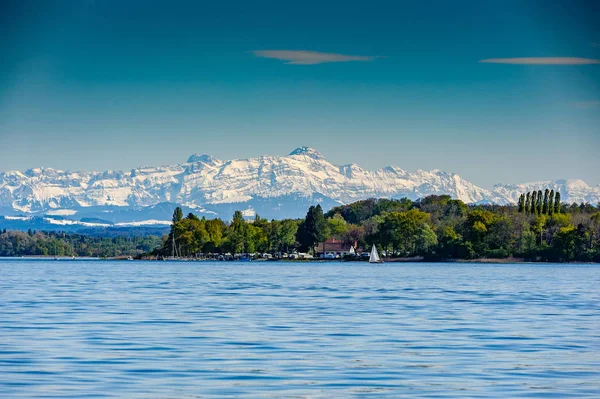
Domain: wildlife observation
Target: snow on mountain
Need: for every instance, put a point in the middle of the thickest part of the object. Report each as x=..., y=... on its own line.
x=274, y=186
x=573, y=190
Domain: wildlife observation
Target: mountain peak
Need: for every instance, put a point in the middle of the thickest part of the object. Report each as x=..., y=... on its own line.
x=308, y=151
x=272, y=185
x=200, y=158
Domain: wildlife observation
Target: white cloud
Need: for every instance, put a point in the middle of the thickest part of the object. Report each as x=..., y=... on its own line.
x=302, y=57
x=542, y=61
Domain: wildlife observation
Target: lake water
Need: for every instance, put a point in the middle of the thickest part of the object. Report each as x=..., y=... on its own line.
x=103, y=329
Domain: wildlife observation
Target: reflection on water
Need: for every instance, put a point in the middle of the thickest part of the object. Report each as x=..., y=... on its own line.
x=73, y=329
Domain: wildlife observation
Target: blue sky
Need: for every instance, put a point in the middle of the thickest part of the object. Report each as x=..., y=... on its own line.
x=109, y=84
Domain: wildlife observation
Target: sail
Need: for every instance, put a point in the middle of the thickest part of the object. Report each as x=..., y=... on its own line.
x=374, y=258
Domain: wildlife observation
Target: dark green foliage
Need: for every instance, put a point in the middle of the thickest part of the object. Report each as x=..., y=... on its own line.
x=545, y=204
x=314, y=229
x=435, y=227
x=17, y=243
x=533, y=203
x=442, y=206
x=177, y=215
x=408, y=233
x=283, y=236
x=359, y=211
x=451, y=245
x=521, y=203
x=191, y=216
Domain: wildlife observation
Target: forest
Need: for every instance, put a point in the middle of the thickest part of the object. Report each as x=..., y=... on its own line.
x=38, y=243
x=434, y=228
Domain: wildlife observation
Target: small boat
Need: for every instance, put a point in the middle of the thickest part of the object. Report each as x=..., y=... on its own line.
x=374, y=257
x=129, y=258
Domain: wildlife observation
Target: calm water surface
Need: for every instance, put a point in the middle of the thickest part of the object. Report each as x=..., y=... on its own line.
x=87, y=329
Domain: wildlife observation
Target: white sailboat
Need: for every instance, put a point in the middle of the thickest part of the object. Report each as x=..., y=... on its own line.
x=374, y=258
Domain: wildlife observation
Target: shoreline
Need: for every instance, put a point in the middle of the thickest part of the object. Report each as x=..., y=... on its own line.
x=393, y=260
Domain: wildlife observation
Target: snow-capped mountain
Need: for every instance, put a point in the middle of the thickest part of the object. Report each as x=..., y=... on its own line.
x=273, y=186
x=573, y=190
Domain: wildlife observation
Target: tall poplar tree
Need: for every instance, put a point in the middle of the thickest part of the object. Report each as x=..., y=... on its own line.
x=551, y=203
x=539, y=202
x=521, y=203
x=320, y=224
x=557, y=203
x=527, y=202
x=177, y=215
x=237, y=238
x=545, y=205
x=533, y=204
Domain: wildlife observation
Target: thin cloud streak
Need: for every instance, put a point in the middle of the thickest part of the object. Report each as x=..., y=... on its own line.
x=542, y=61
x=587, y=104
x=303, y=57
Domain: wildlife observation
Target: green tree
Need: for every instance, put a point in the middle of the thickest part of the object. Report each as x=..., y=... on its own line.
x=214, y=229
x=564, y=243
x=527, y=244
x=190, y=235
x=533, y=202
x=177, y=218
x=236, y=241
x=354, y=235
x=450, y=244
x=425, y=240
x=538, y=227
x=595, y=219
x=255, y=239
x=238, y=223
x=191, y=216
x=528, y=202
x=501, y=237
x=557, y=203
x=521, y=203
x=476, y=228
x=177, y=215
x=337, y=226
x=551, y=203
x=371, y=228
x=539, y=202
x=545, y=204
x=402, y=229
x=286, y=232
x=389, y=231
x=314, y=228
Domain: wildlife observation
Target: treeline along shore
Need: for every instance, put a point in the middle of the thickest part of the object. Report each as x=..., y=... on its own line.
x=61, y=244
x=435, y=228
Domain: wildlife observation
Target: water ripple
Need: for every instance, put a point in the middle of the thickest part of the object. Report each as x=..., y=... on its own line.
x=310, y=330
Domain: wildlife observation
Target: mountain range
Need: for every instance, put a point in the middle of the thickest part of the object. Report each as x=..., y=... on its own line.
x=273, y=186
